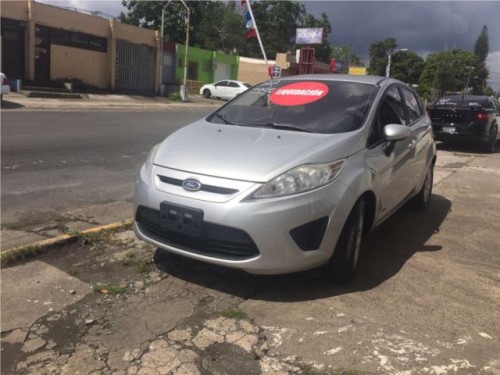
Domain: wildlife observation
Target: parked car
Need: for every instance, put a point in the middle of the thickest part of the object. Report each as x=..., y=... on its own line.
x=5, y=85
x=289, y=175
x=467, y=118
x=225, y=89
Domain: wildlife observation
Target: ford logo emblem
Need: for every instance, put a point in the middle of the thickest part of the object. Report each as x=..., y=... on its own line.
x=191, y=184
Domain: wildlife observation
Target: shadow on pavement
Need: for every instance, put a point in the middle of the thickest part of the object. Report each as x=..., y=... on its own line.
x=465, y=147
x=384, y=253
x=10, y=105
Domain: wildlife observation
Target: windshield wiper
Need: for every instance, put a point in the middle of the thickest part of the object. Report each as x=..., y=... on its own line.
x=224, y=118
x=284, y=126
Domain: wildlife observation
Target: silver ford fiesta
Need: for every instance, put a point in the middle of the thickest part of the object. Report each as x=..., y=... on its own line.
x=289, y=175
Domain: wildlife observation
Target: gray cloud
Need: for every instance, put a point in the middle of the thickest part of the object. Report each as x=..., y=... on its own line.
x=421, y=26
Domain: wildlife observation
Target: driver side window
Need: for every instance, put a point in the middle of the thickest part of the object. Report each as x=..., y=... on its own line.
x=391, y=111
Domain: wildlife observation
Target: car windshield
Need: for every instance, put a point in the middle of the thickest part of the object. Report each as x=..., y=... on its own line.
x=247, y=85
x=316, y=106
x=462, y=101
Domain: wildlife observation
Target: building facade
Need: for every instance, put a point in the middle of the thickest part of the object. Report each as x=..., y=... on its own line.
x=42, y=43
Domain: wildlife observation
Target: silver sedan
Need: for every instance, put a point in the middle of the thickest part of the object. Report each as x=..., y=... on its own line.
x=289, y=175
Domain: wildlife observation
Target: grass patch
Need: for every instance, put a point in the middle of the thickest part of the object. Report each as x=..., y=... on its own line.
x=174, y=96
x=11, y=257
x=141, y=266
x=128, y=259
x=109, y=289
x=232, y=313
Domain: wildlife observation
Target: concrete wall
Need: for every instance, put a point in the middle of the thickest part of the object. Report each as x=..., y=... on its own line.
x=16, y=10
x=69, y=62
x=253, y=71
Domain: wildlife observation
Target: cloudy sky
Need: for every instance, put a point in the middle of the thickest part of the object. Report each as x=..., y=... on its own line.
x=421, y=26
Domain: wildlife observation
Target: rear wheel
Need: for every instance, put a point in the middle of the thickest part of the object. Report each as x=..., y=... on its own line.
x=491, y=144
x=344, y=262
x=207, y=93
x=422, y=199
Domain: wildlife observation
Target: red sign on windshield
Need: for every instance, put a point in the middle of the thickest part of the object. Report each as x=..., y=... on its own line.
x=299, y=93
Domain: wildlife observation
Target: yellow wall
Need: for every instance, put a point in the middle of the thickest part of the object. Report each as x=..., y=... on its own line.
x=59, y=18
x=253, y=71
x=69, y=62
x=134, y=34
x=16, y=10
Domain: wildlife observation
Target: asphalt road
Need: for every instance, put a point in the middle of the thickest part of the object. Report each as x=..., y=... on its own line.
x=57, y=162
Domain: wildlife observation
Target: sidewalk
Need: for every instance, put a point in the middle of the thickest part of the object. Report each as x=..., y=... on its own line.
x=105, y=102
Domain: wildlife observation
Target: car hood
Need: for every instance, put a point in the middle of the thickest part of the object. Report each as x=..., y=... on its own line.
x=249, y=153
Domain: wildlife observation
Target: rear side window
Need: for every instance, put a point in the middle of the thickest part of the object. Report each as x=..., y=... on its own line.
x=412, y=104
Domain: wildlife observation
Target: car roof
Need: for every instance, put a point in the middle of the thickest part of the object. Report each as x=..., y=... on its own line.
x=373, y=80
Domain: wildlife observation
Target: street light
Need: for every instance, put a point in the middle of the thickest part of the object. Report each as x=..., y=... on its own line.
x=389, y=56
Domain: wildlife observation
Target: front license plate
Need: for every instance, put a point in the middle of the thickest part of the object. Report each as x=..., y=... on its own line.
x=181, y=219
x=448, y=129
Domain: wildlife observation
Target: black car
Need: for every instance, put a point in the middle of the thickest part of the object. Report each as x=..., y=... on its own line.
x=466, y=117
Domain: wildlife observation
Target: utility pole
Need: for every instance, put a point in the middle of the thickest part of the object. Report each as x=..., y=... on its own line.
x=184, y=97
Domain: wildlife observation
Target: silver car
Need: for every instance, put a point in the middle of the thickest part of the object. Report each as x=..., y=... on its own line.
x=289, y=175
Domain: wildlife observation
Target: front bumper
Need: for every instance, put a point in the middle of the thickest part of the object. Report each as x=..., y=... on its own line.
x=267, y=236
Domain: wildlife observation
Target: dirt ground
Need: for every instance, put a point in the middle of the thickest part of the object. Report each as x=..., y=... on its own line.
x=426, y=300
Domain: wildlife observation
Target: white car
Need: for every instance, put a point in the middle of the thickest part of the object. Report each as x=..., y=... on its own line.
x=225, y=89
x=5, y=85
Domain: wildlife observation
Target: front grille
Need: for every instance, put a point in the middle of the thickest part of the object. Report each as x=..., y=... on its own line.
x=208, y=188
x=216, y=240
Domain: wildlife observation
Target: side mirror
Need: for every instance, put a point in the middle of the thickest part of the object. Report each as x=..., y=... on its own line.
x=392, y=134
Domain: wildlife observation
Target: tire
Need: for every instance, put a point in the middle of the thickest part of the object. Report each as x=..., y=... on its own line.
x=491, y=144
x=344, y=262
x=422, y=199
x=206, y=93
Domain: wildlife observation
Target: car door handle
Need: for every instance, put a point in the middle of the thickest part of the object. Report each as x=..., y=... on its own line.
x=412, y=144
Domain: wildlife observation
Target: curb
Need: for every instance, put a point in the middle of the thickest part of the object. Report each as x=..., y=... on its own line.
x=12, y=256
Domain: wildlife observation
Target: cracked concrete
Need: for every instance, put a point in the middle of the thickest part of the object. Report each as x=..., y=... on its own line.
x=424, y=302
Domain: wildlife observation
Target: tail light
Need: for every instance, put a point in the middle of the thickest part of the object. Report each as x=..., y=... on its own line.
x=5, y=81
x=481, y=116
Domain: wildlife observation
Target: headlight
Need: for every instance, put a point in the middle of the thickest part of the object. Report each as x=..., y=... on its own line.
x=300, y=179
x=148, y=164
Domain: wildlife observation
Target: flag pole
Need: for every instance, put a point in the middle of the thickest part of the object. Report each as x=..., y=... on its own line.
x=257, y=32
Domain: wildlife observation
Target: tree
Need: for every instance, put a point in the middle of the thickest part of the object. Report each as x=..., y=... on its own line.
x=481, y=48
x=450, y=71
x=378, y=52
x=407, y=66
x=344, y=54
x=277, y=22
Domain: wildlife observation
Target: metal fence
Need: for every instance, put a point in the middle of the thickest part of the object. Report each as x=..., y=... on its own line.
x=135, y=67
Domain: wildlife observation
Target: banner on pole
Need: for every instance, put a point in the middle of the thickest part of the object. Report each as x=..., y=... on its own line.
x=309, y=36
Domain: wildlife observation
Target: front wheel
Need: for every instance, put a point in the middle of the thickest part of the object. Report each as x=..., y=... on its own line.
x=422, y=199
x=206, y=93
x=344, y=262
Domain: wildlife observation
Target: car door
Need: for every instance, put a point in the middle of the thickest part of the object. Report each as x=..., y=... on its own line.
x=392, y=173
x=220, y=89
x=420, y=137
x=233, y=89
